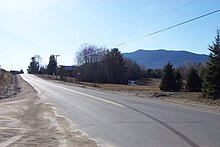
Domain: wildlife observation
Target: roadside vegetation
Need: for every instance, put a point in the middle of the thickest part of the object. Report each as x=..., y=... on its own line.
x=104, y=68
x=9, y=85
x=206, y=81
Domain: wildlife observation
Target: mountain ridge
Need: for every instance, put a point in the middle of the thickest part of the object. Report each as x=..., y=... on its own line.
x=158, y=58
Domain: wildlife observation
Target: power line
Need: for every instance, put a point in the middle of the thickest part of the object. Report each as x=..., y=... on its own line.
x=167, y=13
x=173, y=26
x=182, y=6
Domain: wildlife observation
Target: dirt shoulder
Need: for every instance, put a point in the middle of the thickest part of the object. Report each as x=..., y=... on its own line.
x=185, y=99
x=27, y=121
x=193, y=100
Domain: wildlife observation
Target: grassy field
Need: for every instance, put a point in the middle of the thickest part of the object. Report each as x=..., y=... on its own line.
x=128, y=88
x=150, y=85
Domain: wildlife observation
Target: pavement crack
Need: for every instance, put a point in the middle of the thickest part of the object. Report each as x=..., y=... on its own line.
x=113, y=123
x=163, y=123
x=138, y=122
x=187, y=122
x=182, y=136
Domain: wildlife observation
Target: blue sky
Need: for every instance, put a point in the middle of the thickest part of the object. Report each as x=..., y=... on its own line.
x=45, y=27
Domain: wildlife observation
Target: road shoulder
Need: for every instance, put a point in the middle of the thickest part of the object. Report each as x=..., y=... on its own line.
x=27, y=121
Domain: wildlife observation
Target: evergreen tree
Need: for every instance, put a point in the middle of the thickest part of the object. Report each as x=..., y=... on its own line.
x=168, y=82
x=193, y=81
x=21, y=71
x=211, y=84
x=115, y=66
x=179, y=81
x=34, y=66
x=133, y=70
x=52, y=65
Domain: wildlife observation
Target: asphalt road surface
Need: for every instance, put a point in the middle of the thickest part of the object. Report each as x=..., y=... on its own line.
x=126, y=121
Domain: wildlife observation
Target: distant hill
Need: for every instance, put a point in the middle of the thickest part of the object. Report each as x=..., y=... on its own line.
x=158, y=58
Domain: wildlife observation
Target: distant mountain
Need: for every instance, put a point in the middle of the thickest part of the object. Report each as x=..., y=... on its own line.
x=158, y=58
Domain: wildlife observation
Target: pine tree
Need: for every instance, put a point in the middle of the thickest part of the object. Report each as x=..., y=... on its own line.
x=34, y=66
x=179, y=81
x=194, y=83
x=168, y=82
x=211, y=84
x=115, y=66
x=52, y=65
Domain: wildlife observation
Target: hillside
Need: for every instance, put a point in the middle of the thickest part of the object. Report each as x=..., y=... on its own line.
x=158, y=58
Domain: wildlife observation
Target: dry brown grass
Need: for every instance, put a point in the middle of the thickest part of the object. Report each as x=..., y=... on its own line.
x=151, y=85
x=53, y=77
x=118, y=87
x=50, y=77
x=147, y=85
x=196, y=97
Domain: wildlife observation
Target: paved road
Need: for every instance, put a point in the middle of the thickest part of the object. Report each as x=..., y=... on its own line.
x=117, y=120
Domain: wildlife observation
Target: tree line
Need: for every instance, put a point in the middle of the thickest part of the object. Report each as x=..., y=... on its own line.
x=98, y=64
x=102, y=65
x=36, y=67
x=207, y=82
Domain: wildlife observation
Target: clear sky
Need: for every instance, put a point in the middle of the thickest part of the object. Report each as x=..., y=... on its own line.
x=45, y=27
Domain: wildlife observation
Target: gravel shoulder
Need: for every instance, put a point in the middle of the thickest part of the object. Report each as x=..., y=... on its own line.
x=25, y=120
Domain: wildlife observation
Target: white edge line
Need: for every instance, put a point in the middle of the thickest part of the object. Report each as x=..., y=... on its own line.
x=55, y=109
x=37, y=90
x=94, y=97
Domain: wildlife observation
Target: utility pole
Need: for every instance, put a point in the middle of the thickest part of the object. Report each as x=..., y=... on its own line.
x=57, y=64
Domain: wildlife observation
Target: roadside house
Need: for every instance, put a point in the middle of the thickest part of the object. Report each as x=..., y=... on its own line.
x=68, y=71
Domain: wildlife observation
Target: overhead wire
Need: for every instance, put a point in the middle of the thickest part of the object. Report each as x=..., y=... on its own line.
x=168, y=28
x=158, y=20
x=182, y=6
